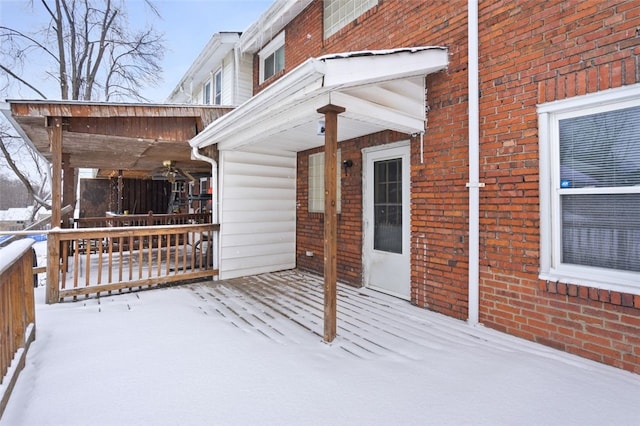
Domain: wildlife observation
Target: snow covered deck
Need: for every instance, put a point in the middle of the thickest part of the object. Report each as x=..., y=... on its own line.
x=288, y=307
x=250, y=351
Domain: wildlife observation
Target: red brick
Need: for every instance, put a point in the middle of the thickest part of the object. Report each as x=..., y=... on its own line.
x=554, y=52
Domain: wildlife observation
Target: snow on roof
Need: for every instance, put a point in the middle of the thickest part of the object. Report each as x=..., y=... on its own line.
x=16, y=214
x=358, y=53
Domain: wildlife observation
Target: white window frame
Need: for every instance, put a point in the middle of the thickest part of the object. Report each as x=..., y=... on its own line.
x=269, y=50
x=206, y=93
x=338, y=13
x=316, y=182
x=217, y=88
x=549, y=115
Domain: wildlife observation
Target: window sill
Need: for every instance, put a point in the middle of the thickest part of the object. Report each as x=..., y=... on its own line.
x=600, y=280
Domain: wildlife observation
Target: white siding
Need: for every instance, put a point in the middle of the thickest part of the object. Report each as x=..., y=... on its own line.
x=228, y=80
x=245, y=78
x=258, y=213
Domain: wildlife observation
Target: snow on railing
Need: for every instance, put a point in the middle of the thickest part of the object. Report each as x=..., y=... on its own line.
x=17, y=313
x=86, y=261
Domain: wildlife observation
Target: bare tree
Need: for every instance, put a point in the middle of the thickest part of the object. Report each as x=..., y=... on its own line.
x=35, y=171
x=91, y=53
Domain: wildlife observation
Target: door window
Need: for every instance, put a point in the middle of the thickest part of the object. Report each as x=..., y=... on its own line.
x=387, y=205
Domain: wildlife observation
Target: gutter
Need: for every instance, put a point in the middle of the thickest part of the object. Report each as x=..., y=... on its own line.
x=474, y=166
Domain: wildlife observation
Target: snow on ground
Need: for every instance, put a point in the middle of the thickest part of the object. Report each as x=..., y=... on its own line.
x=170, y=357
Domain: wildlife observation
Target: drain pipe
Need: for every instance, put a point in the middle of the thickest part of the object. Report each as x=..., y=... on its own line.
x=474, y=165
x=214, y=199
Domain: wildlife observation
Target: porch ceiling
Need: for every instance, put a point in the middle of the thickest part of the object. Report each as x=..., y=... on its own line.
x=379, y=90
x=135, y=138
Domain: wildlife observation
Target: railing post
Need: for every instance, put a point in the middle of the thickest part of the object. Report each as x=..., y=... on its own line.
x=330, y=218
x=53, y=266
x=28, y=297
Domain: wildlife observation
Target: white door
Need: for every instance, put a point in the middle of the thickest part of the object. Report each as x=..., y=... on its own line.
x=386, y=257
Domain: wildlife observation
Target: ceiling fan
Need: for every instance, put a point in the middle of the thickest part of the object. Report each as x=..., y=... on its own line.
x=171, y=172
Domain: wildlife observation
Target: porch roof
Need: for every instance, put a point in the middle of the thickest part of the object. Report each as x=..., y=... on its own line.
x=380, y=90
x=135, y=138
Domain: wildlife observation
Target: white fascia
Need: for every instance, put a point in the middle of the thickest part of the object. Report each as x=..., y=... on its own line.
x=367, y=67
x=294, y=85
x=318, y=76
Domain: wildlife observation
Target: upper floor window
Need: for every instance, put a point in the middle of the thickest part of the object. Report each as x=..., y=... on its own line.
x=272, y=58
x=316, y=182
x=338, y=13
x=206, y=93
x=590, y=189
x=217, y=84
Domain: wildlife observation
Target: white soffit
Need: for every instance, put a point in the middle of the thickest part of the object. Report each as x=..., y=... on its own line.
x=379, y=89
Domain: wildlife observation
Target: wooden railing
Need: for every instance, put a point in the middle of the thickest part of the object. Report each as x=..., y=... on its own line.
x=17, y=313
x=143, y=220
x=87, y=261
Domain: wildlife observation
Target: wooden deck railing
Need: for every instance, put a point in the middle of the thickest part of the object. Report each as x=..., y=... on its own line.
x=17, y=313
x=89, y=261
x=143, y=220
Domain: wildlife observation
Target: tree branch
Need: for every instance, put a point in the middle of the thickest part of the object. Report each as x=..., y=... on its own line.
x=20, y=175
x=21, y=80
x=13, y=32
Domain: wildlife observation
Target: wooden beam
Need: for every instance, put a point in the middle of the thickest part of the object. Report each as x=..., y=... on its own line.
x=53, y=243
x=55, y=145
x=330, y=217
x=69, y=177
x=120, y=191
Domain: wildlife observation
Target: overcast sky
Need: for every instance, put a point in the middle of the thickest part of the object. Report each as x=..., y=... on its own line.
x=187, y=24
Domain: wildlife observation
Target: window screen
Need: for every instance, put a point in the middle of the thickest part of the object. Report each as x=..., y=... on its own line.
x=600, y=189
x=206, y=94
x=316, y=182
x=274, y=63
x=217, y=99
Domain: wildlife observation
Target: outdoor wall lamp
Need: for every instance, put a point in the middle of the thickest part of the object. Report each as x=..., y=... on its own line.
x=347, y=164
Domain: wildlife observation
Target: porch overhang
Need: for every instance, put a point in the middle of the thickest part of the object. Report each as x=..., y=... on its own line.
x=380, y=90
x=134, y=138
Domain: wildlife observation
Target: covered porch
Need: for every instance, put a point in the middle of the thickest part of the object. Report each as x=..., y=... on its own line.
x=325, y=101
x=114, y=250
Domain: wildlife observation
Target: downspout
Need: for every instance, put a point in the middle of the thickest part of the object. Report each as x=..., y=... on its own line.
x=214, y=199
x=474, y=166
x=236, y=76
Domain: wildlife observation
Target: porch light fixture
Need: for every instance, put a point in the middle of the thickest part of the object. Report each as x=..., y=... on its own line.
x=347, y=164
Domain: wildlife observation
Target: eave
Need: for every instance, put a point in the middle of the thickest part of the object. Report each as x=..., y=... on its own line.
x=135, y=138
x=379, y=89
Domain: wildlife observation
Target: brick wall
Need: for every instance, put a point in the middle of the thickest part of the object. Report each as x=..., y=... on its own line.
x=439, y=196
x=530, y=52
x=310, y=226
x=535, y=52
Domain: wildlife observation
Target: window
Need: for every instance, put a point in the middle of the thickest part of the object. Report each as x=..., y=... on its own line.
x=217, y=80
x=272, y=58
x=274, y=63
x=387, y=205
x=206, y=93
x=590, y=189
x=316, y=182
x=338, y=13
